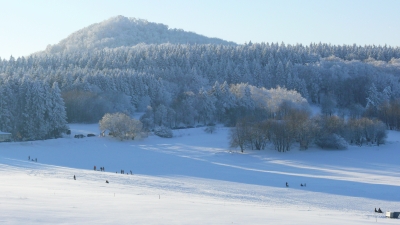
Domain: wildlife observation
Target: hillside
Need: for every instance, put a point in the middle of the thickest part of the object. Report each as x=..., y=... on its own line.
x=122, y=31
x=194, y=178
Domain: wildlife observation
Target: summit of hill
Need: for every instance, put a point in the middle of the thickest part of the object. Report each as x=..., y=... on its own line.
x=122, y=31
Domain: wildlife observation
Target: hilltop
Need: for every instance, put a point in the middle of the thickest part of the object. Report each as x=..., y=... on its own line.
x=123, y=31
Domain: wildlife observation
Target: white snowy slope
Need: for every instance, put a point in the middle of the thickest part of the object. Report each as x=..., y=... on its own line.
x=194, y=178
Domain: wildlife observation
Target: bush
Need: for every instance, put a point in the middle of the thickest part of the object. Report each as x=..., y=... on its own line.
x=332, y=141
x=210, y=129
x=163, y=132
x=366, y=130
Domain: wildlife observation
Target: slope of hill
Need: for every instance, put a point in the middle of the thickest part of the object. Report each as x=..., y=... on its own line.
x=122, y=31
x=194, y=178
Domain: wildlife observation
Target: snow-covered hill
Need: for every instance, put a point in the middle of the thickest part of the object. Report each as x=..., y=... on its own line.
x=122, y=31
x=194, y=178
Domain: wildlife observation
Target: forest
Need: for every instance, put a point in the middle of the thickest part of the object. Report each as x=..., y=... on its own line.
x=186, y=85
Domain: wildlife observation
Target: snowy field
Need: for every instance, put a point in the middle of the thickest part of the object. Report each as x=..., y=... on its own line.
x=194, y=178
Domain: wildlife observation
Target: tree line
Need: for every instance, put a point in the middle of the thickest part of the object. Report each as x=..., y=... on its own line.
x=293, y=124
x=31, y=109
x=181, y=85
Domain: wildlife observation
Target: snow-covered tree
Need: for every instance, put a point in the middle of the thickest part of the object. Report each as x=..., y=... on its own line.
x=6, y=108
x=121, y=126
x=57, y=116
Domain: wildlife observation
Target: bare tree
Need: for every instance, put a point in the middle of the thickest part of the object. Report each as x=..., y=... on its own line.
x=306, y=132
x=258, y=135
x=239, y=135
x=300, y=125
x=281, y=136
x=365, y=129
x=355, y=131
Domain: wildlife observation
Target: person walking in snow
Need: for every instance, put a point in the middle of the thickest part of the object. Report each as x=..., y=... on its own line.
x=94, y=168
x=74, y=177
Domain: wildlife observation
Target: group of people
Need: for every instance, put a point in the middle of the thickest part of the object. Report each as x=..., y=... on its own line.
x=301, y=184
x=101, y=168
x=378, y=211
x=31, y=159
x=95, y=168
x=123, y=172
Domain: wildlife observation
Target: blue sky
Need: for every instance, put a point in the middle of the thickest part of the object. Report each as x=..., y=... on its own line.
x=29, y=26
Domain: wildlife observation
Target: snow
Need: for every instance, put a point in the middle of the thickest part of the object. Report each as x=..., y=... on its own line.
x=194, y=178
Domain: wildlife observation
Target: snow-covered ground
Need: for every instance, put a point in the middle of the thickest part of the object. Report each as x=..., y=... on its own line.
x=194, y=178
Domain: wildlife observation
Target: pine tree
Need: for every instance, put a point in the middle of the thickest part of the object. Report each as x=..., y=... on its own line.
x=7, y=99
x=206, y=107
x=57, y=114
x=373, y=100
x=26, y=125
